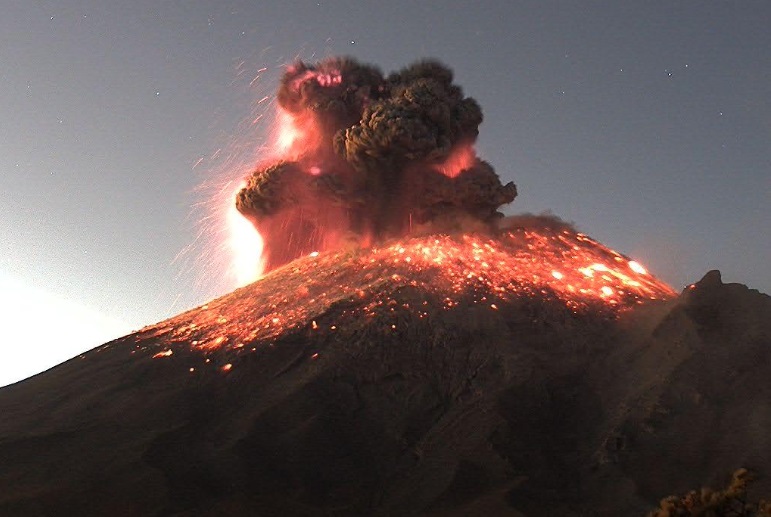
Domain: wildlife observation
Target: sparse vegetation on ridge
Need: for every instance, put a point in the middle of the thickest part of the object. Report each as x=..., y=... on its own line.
x=732, y=501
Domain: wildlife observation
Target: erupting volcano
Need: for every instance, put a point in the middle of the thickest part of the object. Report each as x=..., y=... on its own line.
x=364, y=160
x=541, y=258
x=409, y=352
x=361, y=157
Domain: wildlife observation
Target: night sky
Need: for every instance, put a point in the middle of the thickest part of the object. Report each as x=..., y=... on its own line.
x=647, y=124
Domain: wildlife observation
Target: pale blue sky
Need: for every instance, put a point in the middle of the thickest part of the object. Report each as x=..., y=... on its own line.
x=648, y=124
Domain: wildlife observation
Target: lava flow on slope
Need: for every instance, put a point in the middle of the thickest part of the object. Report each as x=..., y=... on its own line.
x=374, y=187
x=546, y=262
x=410, y=351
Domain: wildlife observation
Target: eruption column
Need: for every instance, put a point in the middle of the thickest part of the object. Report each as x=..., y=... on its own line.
x=363, y=157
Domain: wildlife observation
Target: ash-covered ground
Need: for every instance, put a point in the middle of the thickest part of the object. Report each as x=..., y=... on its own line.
x=392, y=392
x=407, y=354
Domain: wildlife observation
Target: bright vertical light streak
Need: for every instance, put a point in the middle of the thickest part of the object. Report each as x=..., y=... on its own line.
x=245, y=244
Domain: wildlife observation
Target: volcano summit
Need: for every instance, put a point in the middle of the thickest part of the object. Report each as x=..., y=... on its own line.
x=409, y=352
x=363, y=383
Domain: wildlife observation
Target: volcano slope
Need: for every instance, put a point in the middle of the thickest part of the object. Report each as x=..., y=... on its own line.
x=424, y=377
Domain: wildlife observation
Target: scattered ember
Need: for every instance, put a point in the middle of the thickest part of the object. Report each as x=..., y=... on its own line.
x=542, y=263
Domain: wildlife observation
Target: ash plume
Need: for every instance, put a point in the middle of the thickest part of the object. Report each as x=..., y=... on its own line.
x=542, y=221
x=366, y=157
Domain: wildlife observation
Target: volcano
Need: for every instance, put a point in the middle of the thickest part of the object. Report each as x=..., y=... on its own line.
x=531, y=372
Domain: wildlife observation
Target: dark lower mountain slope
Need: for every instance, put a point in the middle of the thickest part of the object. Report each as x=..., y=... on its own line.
x=378, y=390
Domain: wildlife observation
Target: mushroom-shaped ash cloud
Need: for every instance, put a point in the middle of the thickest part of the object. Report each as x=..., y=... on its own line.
x=365, y=157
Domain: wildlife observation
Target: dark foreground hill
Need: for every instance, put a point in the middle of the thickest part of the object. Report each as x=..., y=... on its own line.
x=383, y=389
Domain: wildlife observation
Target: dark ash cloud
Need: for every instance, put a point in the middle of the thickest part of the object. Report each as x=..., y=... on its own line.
x=368, y=157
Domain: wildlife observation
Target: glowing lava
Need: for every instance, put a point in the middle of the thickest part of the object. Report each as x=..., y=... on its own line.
x=554, y=265
x=571, y=266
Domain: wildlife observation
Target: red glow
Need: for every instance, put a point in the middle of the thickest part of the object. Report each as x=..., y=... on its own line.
x=295, y=137
x=288, y=134
x=330, y=79
x=535, y=263
x=461, y=158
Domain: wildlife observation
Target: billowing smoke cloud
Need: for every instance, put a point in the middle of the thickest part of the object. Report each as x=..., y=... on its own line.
x=365, y=157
